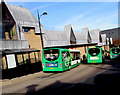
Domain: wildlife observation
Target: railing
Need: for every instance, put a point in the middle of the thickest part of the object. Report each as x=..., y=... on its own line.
x=13, y=44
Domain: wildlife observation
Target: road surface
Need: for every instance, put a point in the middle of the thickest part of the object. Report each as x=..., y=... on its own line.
x=86, y=78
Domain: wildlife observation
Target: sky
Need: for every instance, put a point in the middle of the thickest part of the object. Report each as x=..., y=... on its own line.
x=94, y=15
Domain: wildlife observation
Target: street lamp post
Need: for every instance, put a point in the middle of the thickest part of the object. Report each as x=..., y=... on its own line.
x=39, y=16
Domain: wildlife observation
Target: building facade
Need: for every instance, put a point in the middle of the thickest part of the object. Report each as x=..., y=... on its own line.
x=21, y=47
x=112, y=33
x=18, y=26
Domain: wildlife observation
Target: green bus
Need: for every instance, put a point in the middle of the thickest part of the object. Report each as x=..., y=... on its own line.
x=114, y=52
x=95, y=55
x=57, y=59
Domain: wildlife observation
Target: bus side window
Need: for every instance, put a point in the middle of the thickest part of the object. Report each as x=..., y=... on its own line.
x=77, y=56
x=73, y=56
x=64, y=55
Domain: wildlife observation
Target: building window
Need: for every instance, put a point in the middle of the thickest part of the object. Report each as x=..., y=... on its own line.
x=7, y=35
x=28, y=29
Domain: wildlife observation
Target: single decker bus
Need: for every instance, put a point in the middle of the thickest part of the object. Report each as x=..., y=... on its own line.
x=114, y=52
x=57, y=59
x=95, y=55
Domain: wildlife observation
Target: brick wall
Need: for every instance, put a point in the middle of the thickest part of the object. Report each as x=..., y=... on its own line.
x=34, y=40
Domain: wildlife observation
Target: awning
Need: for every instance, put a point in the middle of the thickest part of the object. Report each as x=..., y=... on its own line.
x=18, y=51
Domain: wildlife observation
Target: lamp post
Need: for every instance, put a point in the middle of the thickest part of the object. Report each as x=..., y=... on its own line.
x=39, y=16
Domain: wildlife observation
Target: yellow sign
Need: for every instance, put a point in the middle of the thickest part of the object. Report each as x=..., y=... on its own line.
x=52, y=68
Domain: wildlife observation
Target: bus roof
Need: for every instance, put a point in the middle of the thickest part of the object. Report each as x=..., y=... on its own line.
x=71, y=50
x=57, y=48
x=93, y=47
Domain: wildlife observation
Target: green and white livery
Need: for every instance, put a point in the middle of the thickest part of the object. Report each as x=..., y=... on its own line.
x=57, y=59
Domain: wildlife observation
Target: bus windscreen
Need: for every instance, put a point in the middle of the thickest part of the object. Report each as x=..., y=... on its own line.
x=115, y=51
x=94, y=51
x=51, y=55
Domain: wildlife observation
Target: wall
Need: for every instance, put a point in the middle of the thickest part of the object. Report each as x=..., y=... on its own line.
x=33, y=40
x=83, y=50
x=114, y=33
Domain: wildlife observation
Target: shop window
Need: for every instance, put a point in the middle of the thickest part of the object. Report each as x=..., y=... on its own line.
x=20, y=59
x=26, y=58
x=4, y=63
x=32, y=57
x=37, y=56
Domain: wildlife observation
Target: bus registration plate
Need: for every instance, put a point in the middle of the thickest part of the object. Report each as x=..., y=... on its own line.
x=94, y=58
x=114, y=55
x=51, y=65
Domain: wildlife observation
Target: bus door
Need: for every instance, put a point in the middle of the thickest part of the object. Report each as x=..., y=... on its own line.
x=66, y=59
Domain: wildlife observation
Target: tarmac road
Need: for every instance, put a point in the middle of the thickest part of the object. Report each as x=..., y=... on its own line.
x=86, y=78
